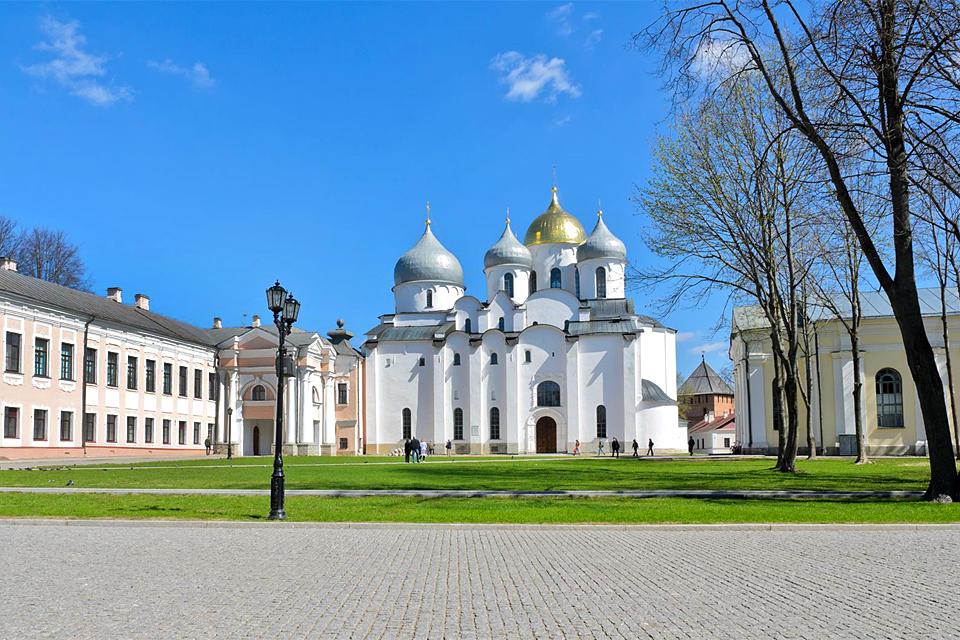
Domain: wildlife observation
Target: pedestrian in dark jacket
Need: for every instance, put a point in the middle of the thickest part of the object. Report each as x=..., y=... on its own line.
x=690, y=444
x=636, y=448
x=615, y=448
x=406, y=451
x=415, y=449
x=650, y=447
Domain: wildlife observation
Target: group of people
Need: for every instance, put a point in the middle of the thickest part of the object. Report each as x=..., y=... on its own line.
x=416, y=451
x=615, y=448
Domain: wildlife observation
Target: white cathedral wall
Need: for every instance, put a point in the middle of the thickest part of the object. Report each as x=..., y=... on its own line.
x=399, y=382
x=552, y=306
x=601, y=374
x=412, y=296
x=548, y=256
x=614, y=272
x=521, y=282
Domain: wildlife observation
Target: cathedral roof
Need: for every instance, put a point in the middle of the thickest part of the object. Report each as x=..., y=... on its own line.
x=555, y=225
x=430, y=261
x=508, y=250
x=704, y=381
x=602, y=244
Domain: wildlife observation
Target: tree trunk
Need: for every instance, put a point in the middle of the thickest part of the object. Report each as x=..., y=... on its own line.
x=778, y=410
x=811, y=440
x=858, y=400
x=946, y=351
x=788, y=461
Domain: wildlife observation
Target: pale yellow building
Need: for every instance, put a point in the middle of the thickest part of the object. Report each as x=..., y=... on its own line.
x=891, y=412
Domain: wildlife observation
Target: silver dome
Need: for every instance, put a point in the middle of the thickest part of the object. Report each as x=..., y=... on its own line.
x=508, y=250
x=602, y=244
x=430, y=261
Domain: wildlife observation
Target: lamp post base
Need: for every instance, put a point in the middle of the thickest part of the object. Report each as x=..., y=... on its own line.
x=276, y=497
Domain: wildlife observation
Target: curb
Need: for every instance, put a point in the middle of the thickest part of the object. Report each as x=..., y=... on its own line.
x=228, y=524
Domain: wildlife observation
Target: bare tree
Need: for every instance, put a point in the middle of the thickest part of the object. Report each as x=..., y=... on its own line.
x=9, y=238
x=727, y=207
x=872, y=85
x=48, y=255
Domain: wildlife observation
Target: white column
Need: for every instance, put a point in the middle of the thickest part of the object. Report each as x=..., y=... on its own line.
x=843, y=393
x=290, y=410
x=305, y=407
x=329, y=415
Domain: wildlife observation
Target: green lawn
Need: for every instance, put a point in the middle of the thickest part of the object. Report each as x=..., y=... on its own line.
x=524, y=474
x=476, y=510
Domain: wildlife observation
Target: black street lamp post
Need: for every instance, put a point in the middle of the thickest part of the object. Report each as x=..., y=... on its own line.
x=285, y=310
x=229, y=435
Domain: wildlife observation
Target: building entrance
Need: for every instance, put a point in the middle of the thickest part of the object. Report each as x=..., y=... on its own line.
x=546, y=435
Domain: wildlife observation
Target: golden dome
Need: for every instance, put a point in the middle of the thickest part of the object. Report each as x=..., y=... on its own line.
x=555, y=225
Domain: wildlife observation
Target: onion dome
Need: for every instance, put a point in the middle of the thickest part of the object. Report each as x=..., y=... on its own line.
x=554, y=225
x=602, y=244
x=429, y=261
x=508, y=251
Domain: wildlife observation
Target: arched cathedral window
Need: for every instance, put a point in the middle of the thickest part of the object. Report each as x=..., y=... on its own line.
x=601, y=421
x=533, y=282
x=601, y=282
x=494, y=423
x=429, y=299
x=555, y=279
x=889, y=398
x=407, y=418
x=508, y=283
x=259, y=393
x=548, y=394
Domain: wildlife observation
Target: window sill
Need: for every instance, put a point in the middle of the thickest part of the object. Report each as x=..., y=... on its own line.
x=41, y=377
x=899, y=426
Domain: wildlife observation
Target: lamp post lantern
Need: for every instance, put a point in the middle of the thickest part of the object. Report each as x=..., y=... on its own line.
x=285, y=310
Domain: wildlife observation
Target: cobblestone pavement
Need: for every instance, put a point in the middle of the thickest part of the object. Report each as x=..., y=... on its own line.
x=410, y=581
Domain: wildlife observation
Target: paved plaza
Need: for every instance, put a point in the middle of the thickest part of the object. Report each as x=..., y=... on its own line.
x=124, y=580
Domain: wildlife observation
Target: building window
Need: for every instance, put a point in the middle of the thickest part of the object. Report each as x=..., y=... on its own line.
x=182, y=432
x=548, y=394
x=13, y=352
x=131, y=429
x=90, y=427
x=468, y=326
x=182, y=382
x=407, y=422
x=501, y=324
x=429, y=299
x=527, y=356
x=132, y=373
x=343, y=444
x=11, y=422
x=494, y=359
x=422, y=362
x=494, y=423
x=210, y=431
x=889, y=398
x=576, y=281
x=508, y=283
x=601, y=421
x=458, y=424
x=167, y=378
x=151, y=376
x=341, y=393
x=316, y=396
x=197, y=384
x=212, y=386
x=726, y=443
x=533, y=282
x=112, y=364
x=66, y=426
x=148, y=429
x=41, y=351
x=166, y=432
x=196, y=433
x=601, y=282
x=456, y=359
x=555, y=279
x=90, y=366
x=111, y=428
x=66, y=361
x=39, y=424
x=259, y=393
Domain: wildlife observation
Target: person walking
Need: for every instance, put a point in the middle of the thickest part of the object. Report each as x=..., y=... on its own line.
x=690, y=444
x=600, y=447
x=415, y=450
x=448, y=446
x=576, y=448
x=650, y=447
x=206, y=443
x=636, y=448
x=615, y=448
x=406, y=451
x=423, y=451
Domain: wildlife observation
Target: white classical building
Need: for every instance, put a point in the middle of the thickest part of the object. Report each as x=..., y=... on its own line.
x=553, y=353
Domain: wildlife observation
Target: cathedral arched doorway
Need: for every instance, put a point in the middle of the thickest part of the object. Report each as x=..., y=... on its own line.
x=546, y=435
x=256, y=441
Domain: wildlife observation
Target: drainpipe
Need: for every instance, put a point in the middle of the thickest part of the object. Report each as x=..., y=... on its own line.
x=216, y=398
x=83, y=387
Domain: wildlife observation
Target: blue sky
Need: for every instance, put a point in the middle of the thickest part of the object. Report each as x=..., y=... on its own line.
x=196, y=152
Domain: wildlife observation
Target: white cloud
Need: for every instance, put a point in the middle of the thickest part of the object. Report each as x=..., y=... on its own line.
x=710, y=347
x=530, y=76
x=197, y=73
x=593, y=38
x=717, y=56
x=72, y=66
x=686, y=336
x=562, y=121
x=561, y=17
